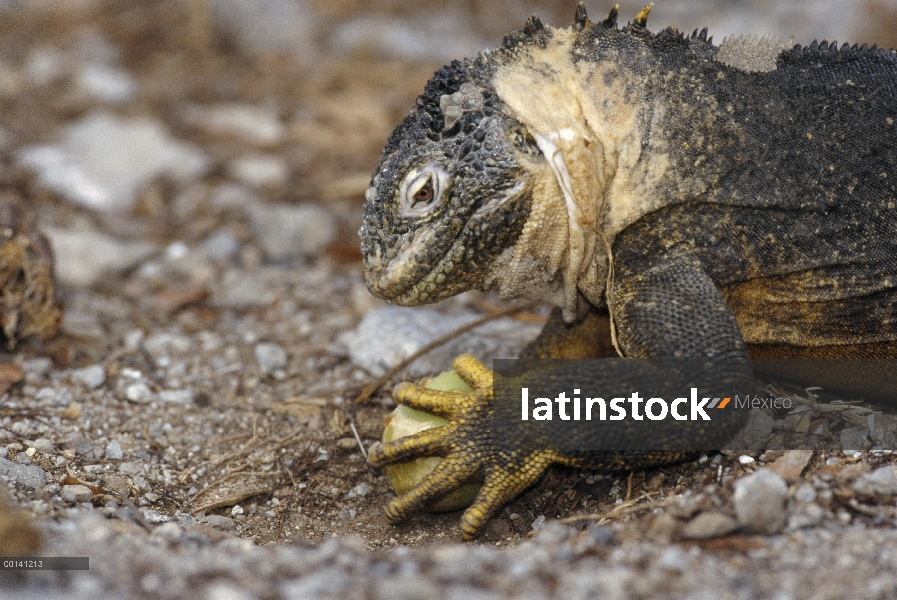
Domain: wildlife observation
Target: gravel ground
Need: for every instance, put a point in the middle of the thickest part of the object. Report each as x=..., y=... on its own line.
x=198, y=168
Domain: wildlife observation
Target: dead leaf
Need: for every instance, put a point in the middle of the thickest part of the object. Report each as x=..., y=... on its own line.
x=10, y=374
x=790, y=465
x=227, y=497
x=72, y=412
x=848, y=473
x=96, y=489
x=173, y=299
x=736, y=543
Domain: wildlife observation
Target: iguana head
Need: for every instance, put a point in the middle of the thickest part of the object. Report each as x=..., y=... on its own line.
x=515, y=170
x=450, y=193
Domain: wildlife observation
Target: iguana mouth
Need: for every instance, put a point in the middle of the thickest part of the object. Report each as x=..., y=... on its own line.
x=402, y=278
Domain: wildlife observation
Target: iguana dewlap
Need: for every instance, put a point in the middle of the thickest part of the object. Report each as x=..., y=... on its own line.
x=713, y=200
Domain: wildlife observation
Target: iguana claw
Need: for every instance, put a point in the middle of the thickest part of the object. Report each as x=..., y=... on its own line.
x=467, y=448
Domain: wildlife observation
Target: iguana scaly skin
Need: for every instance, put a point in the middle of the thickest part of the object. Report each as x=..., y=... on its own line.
x=713, y=201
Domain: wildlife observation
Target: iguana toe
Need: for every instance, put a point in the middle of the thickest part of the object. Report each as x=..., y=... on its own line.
x=473, y=372
x=449, y=475
x=443, y=404
x=509, y=476
x=430, y=442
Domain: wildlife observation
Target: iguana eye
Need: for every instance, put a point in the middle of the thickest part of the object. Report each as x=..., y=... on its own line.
x=425, y=194
x=421, y=190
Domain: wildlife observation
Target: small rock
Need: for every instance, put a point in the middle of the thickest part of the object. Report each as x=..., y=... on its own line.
x=151, y=497
x=82, y=324
x=106, y=83
x=185, y=519
x=241, y=289
x=154, y=516
x=85, y=449
x=755, y=434
x=164, y=343
x=75, y=494
x=130, y=468
x=663, y=528
x=117, y=484
x=132, y=341
x=805, y=492
x=104, y=161
x=539, y=523
x=38, y=366
x=882, y=430
x=45, y=64
x=760, y=502
x=230, y=196
x=553, y=532
x=114, y=451
x=221, y=245
x=790, y=465
x=854, y=438
x=808, y=515
x=256, y=125
x=601, y=535
x=169, y=531
x=139, y=392
x=260, y=171
x=84, y=257
x=287, y=231
x=388, y=335
x=42, y=445
x=347, y=444
x=220, y=522
x=709, y=525
x=270, y=356
x=176, y=396
x=361, y=490
x=91, y=377
x=24, y=476
x=687, y=505
x=237, y=510
x=880, y=482
x=675, y=558
x=51, y=396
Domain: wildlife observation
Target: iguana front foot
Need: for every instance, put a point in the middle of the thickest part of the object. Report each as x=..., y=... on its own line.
x=467, y=447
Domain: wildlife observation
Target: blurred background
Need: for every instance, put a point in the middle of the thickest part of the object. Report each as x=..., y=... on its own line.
x=145, y=108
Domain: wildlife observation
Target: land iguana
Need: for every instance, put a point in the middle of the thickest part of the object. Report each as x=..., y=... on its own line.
x=682, y=198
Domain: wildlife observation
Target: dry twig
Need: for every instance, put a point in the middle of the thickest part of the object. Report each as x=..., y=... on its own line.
x=369, y=391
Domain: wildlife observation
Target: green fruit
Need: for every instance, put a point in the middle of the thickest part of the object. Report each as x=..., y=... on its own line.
x=404, y=421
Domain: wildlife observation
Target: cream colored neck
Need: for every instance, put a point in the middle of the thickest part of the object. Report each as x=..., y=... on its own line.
x=590, y=186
